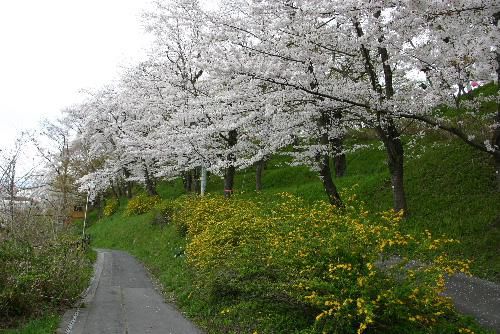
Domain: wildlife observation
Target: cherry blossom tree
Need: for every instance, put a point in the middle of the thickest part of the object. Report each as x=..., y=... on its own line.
x=212, y=118
x=362, y=60
x=458, y=44
x=228, y=89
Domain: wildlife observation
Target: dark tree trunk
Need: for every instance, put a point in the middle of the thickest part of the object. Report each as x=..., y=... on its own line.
x=232, y=139
x=326, y=177
x=340, y=165
x=191, y=180
x=387, y=132
x=119, y=187
x=196, y=180
x=395, y=160
x=496, y=137
x=337, y=144
x=126, y=173
x=496, y=140
x=259, y=169
x=150, y=186
x=497, y=169
x=129, y=190
x=101, y=205
x=115, y=188
x=392, y=141
x=229, y=181
x=187, y=180
x=339, y=159
x=323, y=161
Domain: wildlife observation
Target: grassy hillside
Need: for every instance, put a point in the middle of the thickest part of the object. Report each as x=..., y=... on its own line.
x=450, y=191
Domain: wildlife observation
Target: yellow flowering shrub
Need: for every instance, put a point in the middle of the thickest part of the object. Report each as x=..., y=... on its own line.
x=352, y=271
x=141, y=204
x=111, y=206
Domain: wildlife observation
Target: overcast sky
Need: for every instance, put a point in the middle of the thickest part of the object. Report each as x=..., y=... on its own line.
x=51, y=49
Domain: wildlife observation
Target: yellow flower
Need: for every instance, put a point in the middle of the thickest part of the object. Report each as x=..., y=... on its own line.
x=362, y=328
x=360, y=280
x=319, y=316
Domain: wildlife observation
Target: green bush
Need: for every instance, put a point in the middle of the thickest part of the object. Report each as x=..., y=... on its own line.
x=164, y=212
x=42, y=276
x=325, y=263
x=111, y=207
x=141, y=204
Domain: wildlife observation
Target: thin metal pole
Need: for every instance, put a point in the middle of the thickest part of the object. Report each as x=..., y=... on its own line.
x=203, y=187
x=85, y=215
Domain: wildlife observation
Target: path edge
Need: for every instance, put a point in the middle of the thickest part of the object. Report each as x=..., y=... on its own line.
x=70, y=317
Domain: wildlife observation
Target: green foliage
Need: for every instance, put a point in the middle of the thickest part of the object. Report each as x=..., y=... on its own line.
x=141, y=204
x=319, y=261
x=451, y=191
x=164, y=212
x=476, y=112
x=44, y=325
x=37, y=277
x=170, y=189
x=166, y=260
x=112, y=205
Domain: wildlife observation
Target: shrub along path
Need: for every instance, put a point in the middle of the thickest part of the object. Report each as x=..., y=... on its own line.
x=122, y=299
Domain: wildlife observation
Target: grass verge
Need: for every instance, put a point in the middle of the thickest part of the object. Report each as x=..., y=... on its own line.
x=45, y=325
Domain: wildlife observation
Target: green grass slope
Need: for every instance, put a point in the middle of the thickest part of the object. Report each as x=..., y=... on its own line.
x=450, y=189
x=449, y=186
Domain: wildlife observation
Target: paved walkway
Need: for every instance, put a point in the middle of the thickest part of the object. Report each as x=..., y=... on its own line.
x=476, y=297
x=122, y=300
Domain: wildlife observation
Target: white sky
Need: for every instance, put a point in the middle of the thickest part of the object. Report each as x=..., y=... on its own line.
x=53, y=48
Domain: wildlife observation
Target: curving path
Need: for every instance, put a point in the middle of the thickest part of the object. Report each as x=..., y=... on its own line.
x=122, y=300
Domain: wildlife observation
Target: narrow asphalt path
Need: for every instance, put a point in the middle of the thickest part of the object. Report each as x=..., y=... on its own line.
x=477, y=298
x=122, y=300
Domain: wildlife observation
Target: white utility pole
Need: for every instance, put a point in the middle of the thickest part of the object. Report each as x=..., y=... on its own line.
x=203, y=180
